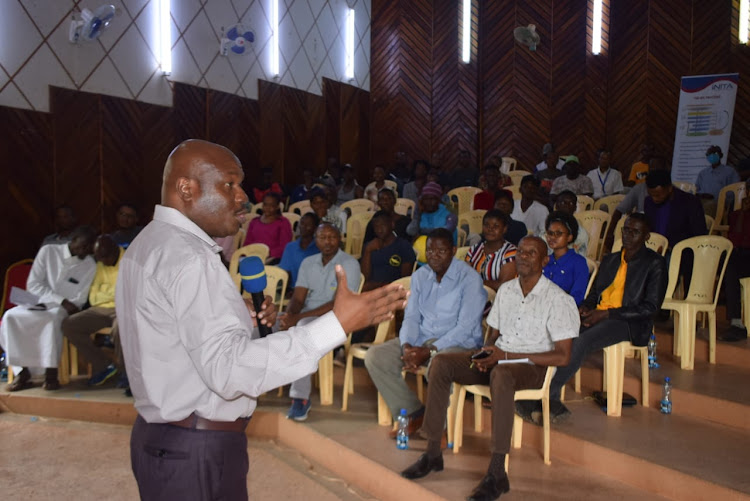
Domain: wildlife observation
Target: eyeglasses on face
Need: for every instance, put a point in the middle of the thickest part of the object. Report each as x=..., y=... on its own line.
x=557, y=233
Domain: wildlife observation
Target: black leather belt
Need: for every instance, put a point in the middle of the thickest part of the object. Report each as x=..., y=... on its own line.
x=194, y=422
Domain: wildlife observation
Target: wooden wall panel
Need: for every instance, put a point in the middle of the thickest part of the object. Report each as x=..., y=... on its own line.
x=190, y=105
x=271, y=127
x=303, y=119
x=332, y=97
x=354, y=130
x=158, y=137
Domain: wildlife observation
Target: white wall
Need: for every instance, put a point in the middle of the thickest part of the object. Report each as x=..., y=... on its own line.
x=35, y=52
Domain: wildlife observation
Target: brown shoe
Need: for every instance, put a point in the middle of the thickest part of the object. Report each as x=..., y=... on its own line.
x=21, y=381
x=51, y=385
x=415, y=424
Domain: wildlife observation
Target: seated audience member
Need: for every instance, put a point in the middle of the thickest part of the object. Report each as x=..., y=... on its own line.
x=444, y=314
x=432, y=213
x=387, y=257
x=378, y=183
x=494, y=257
x=127, y=225
x=530, y=318
x=670, y=211
x=302, y=191
x=566, y=268
x=485, y=200
x=267, y=186
x=464, y=174
x=550, y=160
x=387, y=204
x=60, y=276
x=713, y=178
x=332, y=176
x=320, y=203
x=737, y=267
x=101, y=313
x=606, y=179
x=413, y=189
x=516, y=229
x=65, y=223
x=573, y=180
x=528, y=210
x=633, y=201
x=297, y=250
x=627, y=292
x=639, y=170
x=313, y=297
x=567, y=202
x=349, y=188
x=271, y=228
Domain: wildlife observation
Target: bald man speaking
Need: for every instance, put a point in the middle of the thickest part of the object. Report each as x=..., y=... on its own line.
x=195, y=363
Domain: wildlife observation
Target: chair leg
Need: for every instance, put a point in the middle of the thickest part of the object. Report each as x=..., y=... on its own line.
x=63, y=372
x=676, y=333
x=687, y=338
x=384, y=413
x=325, y=371
x=73, y=353
x=458, y=429
x=450, y=418
x=644, y=377
x=545, y=423
x=280, y=393
x=578, y=381
x=517, y=436
x=615, y=360
x=711, y=336
x=348, y=383
x=420, y=388
x=562, y=394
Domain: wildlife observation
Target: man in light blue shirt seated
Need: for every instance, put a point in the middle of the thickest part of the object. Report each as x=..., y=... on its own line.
x=297, y=250
x=444, y=314
x=713, y=178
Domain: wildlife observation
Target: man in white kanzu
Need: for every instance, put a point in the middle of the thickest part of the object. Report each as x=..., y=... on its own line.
x=60, y=276
x=195, y=364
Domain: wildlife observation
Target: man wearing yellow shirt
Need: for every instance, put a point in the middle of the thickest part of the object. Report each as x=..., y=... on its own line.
x=627, y=292
x=101, y=313
x=639, y=170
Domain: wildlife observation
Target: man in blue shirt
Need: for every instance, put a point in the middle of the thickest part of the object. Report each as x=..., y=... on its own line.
x=712, y=179
x=297, y=250
x=444, y=314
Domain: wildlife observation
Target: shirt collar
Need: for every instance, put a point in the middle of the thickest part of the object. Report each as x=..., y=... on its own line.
x=451, y=273
x=538, y=289
x=176, y=218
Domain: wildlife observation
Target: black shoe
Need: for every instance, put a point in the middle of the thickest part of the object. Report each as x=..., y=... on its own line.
x=490, y=488
x=423, y=466
x=558, y=413
x=526, y=408
x=733, y=334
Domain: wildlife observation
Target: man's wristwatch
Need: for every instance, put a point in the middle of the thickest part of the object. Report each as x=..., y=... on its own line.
x=433, y=350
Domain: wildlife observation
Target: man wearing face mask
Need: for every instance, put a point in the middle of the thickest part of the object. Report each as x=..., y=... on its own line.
x=712, y=179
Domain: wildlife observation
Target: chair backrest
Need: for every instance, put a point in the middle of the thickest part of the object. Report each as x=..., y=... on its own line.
x=355, y=232
x=709, y=223
x=260, y=250
x=358, y=205
x=462, y=198
x=517, y=175
x=461, y=252
x=491, y=294
x=405, y=207
x=276, y=280
x=301, y=207
x=472, y=219
x=608, y=204
x=656, y=242
x=515, y=190
x=461, y=237
x=687, y=187
x=723, y=208
x=708, y=251
x=293, y=219
x=239, y=238
x=593, y=270
x=595, y=223
x=584, y=203
x=509, y=164
x=15, y=276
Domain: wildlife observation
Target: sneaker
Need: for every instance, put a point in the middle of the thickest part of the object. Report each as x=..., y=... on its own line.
x=300, y=409
x=558, y=412
x=122, y=381
x=733, y=334
x=103, y=376
x=527, y=408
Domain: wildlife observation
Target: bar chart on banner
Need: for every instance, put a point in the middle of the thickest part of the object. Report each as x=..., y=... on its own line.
x=705, y=120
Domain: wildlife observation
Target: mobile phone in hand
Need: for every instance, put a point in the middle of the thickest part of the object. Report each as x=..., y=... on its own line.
x=480, y=355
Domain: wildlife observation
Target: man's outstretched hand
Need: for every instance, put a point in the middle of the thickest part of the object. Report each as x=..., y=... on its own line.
x=357, y=311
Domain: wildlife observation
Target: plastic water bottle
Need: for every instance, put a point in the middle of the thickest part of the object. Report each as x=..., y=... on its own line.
x=652, y=363
x=402, y=437
x=3, y=368
x=666, y=398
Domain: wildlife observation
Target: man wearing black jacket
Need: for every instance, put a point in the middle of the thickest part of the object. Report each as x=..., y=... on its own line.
x=627, y=293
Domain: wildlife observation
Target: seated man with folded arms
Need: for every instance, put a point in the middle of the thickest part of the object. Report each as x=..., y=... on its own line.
x=297, y=250
x=313, y=297
x=627, y=292
x=444, y=314
x=101, y=313
x=60, y=277
x=738, y=267
x=531, y=318
x=387, y=257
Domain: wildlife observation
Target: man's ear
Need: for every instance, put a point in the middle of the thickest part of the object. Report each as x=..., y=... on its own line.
x=185, y=188
x=545, y=261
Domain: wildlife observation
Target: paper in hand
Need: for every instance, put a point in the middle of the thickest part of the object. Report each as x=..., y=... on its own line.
x=21, y=297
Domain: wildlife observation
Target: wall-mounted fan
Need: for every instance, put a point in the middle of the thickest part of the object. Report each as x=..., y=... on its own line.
x=91, y=25
x=236, y=40
x=527, y=35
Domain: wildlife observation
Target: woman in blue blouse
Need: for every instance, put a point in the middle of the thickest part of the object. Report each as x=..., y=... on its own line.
x=566, y=268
